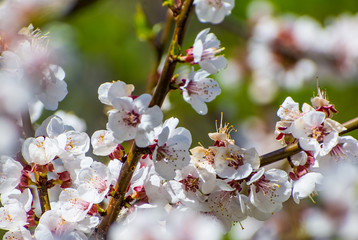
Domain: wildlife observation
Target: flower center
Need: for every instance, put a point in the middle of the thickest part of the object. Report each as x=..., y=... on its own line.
x=162, y=153
x=98, y=183
x=235, y=161
x=215, y=3
x=210, y=156
x=319, y=133
x=235, y=184
x=192, y=88
x=267, y=187
x=79, y=203
x=132, y=118
x=337, y=151
x=40, y=143
x=69, y=144
x=210, y=53
x=190, y=183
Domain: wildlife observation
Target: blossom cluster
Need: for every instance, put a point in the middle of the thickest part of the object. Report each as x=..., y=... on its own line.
x=26, y=69
x=54, y=186
x=324, y=171
x=318, y=135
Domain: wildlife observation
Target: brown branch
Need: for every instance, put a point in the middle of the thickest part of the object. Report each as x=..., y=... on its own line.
x=116, y=202
x=123, y=181
x=170, y=62
x=290, y=150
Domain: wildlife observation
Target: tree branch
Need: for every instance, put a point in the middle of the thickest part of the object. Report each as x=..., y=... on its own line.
x=123, y=181
x=116, y=202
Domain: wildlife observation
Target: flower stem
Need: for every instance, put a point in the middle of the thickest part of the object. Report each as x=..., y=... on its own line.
x=292, y=149
x=43, y=194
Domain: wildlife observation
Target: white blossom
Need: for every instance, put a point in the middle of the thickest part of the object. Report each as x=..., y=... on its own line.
x=12, y=216
x=93, y=182
x=204, y=51
x=54, y=88
x=46, y=79
x=24, y=198
x=72, y=207
x=213, y=11
x=199, y=89
x=227, y=205
x=170, y=148
x=88, y=224
x=111, y=90
x=316, y=133
x=52, y=127
x=40, y=150
x=141, y=224
x=115, y=167
x=70, y=119
x=76, y=143
x=103, y=142
x=133, y=116
x=53, y=227
x=346, y=151
x=289, y=110
x=12, y=81
x=189, y=224
x=156, y=224
x=268, y=190
x=74, y=165
x=318, y=224
x=306, y=185
x=10, y=173
x=235, y=163
x=21, y=234
x=191, y=185
x=157, y=190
